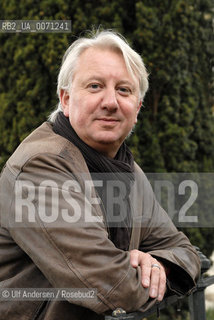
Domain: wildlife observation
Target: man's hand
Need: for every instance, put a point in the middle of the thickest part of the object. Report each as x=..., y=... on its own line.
x=153, y=277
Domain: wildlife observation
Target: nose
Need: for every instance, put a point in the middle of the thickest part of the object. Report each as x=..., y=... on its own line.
x=109, y=100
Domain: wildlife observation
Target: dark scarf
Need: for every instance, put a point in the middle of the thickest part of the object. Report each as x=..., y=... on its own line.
x=121, y=168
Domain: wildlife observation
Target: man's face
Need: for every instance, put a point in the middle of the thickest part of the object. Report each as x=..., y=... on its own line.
x=103, y=101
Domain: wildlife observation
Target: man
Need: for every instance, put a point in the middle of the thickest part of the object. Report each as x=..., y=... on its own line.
x=58, y=226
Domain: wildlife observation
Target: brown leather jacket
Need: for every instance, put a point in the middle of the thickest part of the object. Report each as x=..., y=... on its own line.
x=37, y=253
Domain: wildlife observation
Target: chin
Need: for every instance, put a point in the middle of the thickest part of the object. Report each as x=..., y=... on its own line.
x=106, y=139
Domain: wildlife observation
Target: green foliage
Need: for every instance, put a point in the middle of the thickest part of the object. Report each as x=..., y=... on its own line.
x=29, y=65
x=210, y=314
x=175, y=129
x=173, y=37
x=174, y=315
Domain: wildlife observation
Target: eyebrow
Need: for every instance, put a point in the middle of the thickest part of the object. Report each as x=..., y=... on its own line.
x=94, y=78
x=121, y=82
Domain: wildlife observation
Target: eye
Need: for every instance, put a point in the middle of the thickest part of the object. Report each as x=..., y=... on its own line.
x=94, y=86
x=125, y=91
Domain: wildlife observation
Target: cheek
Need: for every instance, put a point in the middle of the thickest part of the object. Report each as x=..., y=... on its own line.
x=78, y=116
x=130, y=112
x=132, y=118
x=84, y=104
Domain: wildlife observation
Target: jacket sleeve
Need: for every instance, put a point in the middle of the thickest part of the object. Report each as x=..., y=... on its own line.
x=66, y=237
x=162, y=240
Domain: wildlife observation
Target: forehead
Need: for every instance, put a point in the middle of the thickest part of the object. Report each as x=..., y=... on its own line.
x=104, y=61
x=98, y=53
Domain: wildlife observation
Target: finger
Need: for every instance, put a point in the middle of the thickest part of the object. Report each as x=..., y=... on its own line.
x=145, y=264
x=162, y=285
x=146, y=273
x=134, y=258
x=155, y=280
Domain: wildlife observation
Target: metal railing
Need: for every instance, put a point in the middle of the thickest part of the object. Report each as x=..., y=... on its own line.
x=196, y=299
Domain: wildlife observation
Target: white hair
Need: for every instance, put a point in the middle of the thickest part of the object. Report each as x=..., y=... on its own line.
x=105, y=40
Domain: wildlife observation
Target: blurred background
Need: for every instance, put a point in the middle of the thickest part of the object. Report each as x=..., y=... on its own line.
x=175, y=131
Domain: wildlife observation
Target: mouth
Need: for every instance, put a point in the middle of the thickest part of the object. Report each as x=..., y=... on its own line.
x=107, y=123
x=108, y=120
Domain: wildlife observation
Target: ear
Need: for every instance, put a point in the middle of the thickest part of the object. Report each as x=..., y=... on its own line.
x=138, y=109
x=64, y=99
